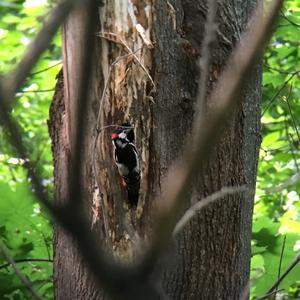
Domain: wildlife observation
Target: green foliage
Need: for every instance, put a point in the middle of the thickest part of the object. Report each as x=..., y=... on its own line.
x=27, y=232
x=25, y=229
x=277, y=213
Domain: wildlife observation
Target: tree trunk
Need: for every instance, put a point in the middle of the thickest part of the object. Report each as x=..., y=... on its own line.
x=211, y=257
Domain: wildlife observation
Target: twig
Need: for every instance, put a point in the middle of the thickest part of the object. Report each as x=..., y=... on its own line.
x=192, y=211
x=269, y=294
x=289, y=20
x=46, y=69
x=221, y=101
x=277, y=93
x=113, y=126
x=18, y=261
x=291, y=143
x=291, y=181
x=38, y=46
x=279, y=70
x=283, y=148
x=291, y=113
x=280, y=279
x=37, y=91
x=280, y=263
x=46, y=245
x=22, y=278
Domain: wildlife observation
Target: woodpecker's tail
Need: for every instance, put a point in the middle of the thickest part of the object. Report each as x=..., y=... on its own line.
x=133, y=188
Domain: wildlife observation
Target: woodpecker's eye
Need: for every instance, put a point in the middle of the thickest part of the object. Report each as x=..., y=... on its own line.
x=122, y=135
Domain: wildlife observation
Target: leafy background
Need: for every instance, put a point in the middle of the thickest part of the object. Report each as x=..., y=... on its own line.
x=25, y=228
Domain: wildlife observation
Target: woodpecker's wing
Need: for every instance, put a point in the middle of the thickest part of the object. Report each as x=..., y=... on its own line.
x=137, y=159
x=130, y=135
x=127, y=159
x=132, y=158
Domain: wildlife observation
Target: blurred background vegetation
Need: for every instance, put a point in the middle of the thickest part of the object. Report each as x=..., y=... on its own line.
x=25, y=228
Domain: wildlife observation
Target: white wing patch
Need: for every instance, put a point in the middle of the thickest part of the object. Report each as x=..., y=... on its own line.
x=123, y=171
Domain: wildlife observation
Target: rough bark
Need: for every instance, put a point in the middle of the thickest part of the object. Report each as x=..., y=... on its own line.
x=210, y=259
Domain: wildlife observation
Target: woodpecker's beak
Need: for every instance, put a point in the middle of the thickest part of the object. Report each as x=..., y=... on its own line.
x=114, y=136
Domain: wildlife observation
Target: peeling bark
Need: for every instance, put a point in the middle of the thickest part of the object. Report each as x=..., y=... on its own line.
x=210, y=259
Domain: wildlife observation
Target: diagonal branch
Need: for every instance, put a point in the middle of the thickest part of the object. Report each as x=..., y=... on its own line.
x=18, y=261
x=291, y=181
x=281, y=278
x=277, y=93
x=280, y=263
x=45, y=69
x=22, y=278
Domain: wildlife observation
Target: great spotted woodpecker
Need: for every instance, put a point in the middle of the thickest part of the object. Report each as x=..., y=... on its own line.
x=127, y=161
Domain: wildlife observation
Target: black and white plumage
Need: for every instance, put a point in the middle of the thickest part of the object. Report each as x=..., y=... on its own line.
x=127, y=161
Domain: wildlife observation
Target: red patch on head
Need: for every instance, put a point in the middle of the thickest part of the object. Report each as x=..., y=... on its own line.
x=114, y=136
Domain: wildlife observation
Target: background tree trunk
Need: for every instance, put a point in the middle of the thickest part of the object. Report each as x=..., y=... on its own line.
x=211, y=256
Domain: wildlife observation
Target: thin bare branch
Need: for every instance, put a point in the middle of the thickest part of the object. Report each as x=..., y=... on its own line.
x=18, y=261
x=291, y=143
x=45, y=69
x=193, y=210
x=36, y=92
x=291, y=181
x=277, y=93
x=269, y=294
x=280, y=263
x=279, y=70
x=22, y=278
x=283, y=15
x=291, y=113
x=281, y=278
x=221, y=101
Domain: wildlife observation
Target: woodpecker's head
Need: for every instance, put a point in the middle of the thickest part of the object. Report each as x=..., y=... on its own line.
x=123, y=135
